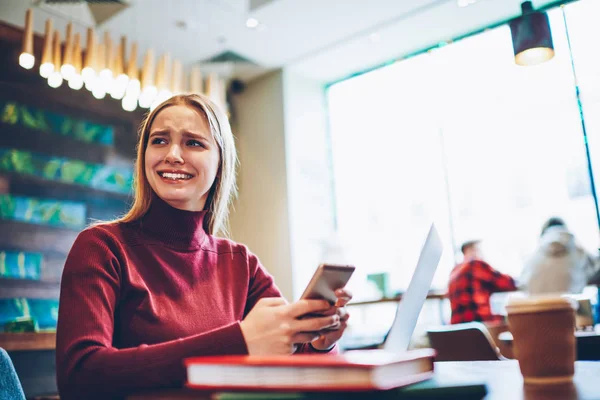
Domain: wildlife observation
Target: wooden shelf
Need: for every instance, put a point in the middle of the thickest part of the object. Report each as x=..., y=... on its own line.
x=30, y=237
x=28, y=341
x=14, y=288
x=28, y=185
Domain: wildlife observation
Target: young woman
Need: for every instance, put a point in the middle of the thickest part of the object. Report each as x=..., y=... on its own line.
x=143, y=292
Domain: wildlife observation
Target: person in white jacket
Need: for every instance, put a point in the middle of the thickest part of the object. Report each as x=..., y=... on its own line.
x=559, y=264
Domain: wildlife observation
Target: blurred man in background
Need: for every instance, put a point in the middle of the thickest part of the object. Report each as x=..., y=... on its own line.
x=472, y=283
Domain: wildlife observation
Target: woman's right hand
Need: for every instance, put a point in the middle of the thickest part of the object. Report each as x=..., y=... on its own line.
x=273, y=327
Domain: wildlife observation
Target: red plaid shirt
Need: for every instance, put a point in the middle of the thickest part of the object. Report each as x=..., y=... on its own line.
x=470, y=287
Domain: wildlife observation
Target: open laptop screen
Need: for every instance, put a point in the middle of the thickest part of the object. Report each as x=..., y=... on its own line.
x=413, y=299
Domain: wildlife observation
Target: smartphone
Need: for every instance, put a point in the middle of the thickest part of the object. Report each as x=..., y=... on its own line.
x=326, y=280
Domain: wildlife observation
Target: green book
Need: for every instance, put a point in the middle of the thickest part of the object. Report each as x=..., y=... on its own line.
x=14, y=113
x=434, y=388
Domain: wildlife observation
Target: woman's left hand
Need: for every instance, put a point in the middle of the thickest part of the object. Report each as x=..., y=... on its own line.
x=330, y=336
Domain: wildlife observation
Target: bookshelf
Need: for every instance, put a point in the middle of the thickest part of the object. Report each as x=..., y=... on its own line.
x=66, y=159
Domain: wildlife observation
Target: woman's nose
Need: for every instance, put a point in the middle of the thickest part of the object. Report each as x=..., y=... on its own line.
x=174, y=155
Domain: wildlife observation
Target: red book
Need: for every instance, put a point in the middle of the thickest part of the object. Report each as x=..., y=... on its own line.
x=351, y=371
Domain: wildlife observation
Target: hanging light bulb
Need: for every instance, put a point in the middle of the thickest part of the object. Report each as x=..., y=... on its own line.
x=120, y=84
x=67, y=69
x=55, y=78
x=149, y=91
x=162, y=82
x=106, y=73
x=196, y=85
x=88, y=73
x=531, y=36
x=212, y=83
x=129, y=102
x=176, y=77
x=46, y=67
x=162, y=72
x=76, y=81
x=26, y=58
x=98, y=85
x=133, y=84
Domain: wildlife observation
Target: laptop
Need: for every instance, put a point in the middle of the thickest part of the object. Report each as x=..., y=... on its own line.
x=409, y=307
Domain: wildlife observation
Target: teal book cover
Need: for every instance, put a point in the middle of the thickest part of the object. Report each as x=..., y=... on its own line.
x=32, y=210
x=101, y=177
x=44, y=312
x=20, y=265
x=12, y=310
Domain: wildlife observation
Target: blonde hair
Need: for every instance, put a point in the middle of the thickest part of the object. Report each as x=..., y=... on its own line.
x=223, y=189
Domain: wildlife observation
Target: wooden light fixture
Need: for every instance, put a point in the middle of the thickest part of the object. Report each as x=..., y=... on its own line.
x=55, y=79
x=67, y=69
x=196, y=85
x=162, y=81
x=89, y=72
x=149, y=90
x=46, y=67
x=121, y=79
x=176, y=78
x=99, y=87
x=76, y=81
x=107, y=59
x=26, y=58
x=133, y=86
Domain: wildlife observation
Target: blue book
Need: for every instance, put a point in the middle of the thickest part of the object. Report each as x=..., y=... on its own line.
x=20, y=265
x=65, y=214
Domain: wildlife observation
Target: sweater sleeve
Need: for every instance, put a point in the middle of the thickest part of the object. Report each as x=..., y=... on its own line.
x=262, y=285
x=88, y=365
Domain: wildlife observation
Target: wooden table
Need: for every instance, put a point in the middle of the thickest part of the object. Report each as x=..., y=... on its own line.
x=502, y=378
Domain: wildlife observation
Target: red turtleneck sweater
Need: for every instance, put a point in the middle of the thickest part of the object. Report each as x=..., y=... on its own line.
x=137, y=298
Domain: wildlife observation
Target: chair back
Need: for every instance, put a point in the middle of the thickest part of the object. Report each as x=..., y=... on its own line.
x=10, y=386
x=470, y=341
x=495, y=329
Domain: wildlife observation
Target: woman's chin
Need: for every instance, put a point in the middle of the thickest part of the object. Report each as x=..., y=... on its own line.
x=174, y=195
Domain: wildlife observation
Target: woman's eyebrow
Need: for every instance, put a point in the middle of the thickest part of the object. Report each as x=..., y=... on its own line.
x=163, y=132
x=193, y=135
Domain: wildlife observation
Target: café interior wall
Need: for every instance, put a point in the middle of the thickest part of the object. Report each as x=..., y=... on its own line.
x=260, y=216
x=284, y=210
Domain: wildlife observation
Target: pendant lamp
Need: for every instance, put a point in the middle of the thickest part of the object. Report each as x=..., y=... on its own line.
x=26, y=58
x=55, y=79
x=47, y=66
x=531, y=36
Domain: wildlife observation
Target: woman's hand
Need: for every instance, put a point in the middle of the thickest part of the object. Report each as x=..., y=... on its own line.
x=273, y=327
x=328, y=338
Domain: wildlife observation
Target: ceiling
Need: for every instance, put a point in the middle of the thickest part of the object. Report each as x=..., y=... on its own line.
x=326, y=40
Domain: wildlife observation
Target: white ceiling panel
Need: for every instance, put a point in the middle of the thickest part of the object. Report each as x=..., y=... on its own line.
x=322, y=39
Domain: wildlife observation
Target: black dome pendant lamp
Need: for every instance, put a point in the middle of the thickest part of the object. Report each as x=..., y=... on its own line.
x=531, y=36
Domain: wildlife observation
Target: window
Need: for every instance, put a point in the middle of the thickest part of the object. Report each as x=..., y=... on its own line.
x=462, y=136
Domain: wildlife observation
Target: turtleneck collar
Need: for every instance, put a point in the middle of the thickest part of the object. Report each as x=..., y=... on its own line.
x=174, y=227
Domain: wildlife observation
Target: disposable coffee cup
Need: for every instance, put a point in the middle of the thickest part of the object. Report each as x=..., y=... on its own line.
x=543, y=330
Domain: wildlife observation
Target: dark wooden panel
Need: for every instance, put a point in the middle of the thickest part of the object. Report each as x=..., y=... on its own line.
x=36, y=371
x=33, y=186
x=13, y=288
x=36, y=238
